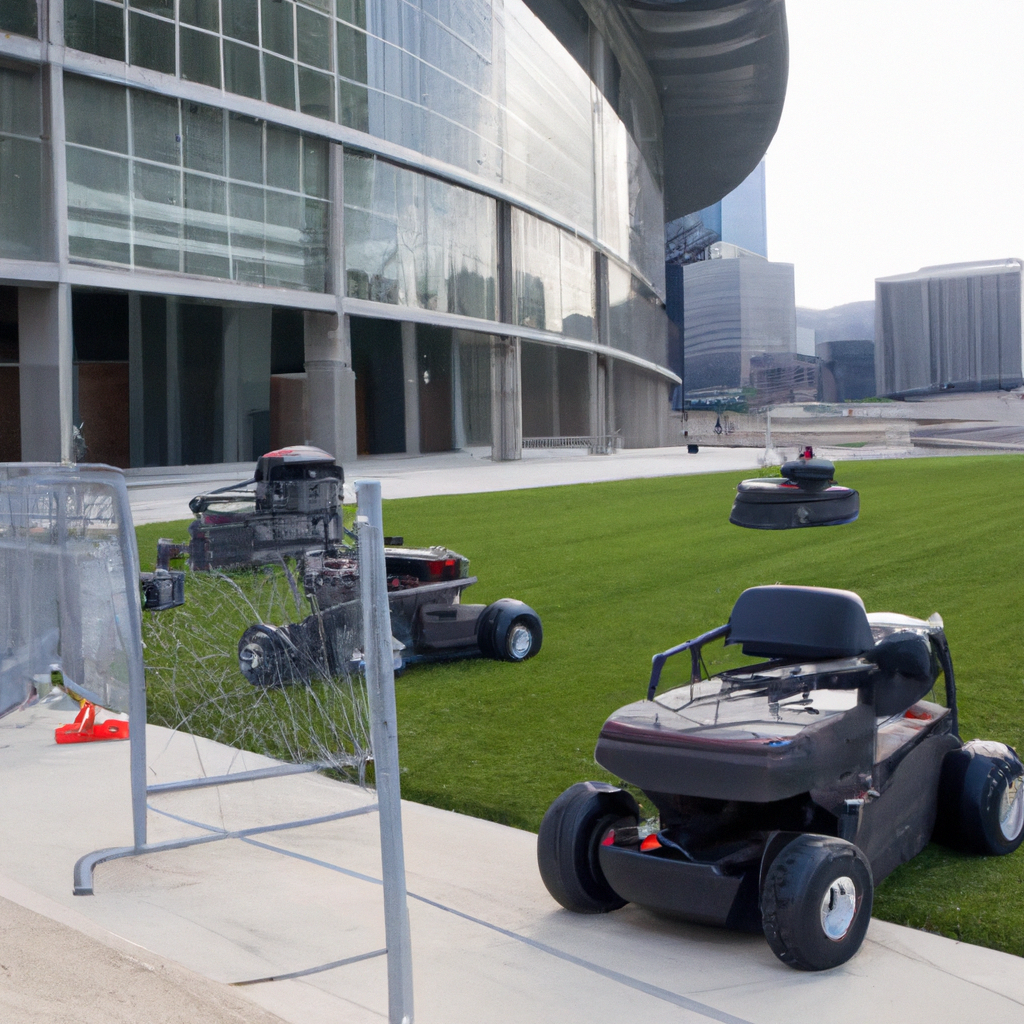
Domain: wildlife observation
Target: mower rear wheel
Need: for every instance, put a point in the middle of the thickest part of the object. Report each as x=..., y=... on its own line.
x=567, y=845
x=509, y=630
x=816, y=902
x=981, y=799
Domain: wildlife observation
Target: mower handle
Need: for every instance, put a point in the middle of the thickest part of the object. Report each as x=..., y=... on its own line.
x=693, y=646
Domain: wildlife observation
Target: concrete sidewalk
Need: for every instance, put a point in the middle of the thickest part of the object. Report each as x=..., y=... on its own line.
x=489, y=944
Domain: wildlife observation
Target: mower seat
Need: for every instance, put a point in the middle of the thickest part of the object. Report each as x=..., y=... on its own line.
x=811, y=623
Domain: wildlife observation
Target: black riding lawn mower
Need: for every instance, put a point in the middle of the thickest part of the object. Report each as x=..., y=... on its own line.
x=788, y=788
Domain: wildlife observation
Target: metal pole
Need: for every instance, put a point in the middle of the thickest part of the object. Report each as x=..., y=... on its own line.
x=380, y=688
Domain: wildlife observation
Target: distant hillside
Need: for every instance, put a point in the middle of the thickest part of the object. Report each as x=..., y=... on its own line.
x=853, y=322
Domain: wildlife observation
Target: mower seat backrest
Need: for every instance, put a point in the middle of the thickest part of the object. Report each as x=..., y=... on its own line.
x=800, y=622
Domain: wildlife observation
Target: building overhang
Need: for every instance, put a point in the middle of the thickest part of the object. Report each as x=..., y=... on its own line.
x=720, y=68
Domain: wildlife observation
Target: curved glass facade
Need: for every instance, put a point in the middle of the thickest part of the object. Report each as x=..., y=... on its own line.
x=481, y=85
x=241, y=179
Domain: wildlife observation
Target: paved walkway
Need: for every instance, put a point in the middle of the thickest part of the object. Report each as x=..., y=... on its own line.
x=489, y=944
x=163, y=495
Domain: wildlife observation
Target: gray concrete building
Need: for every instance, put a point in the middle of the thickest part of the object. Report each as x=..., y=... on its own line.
x=739, y=308
x=376, y=225
x=954, y=326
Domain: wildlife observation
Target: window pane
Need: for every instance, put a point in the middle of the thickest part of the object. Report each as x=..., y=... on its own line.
x=314, y=258
x=155, y=129
x=277, y=27
x=314, y=167
x=280, y=78
x=98, y=206
x=206, y=232
x=19, y=17
x=246, y=148
x=21, y=111
x=351, y=53
x=203, y=137
x=353, y=106
x=314, y=38
x=160, y=188
x=201, y=13
x=536, y=283
x=152, y=43
x=156, y=216
x=353, y=11
x=284, y=240
x=241, y=70
x=96, y=113
x=241, y=20
x=316, y=94
x=162, y=7
x=282, y=158
x=577, y=275
x=21, y=213
x=200, y=57
x=358, y=180
x=247, y=220
x=94, y=27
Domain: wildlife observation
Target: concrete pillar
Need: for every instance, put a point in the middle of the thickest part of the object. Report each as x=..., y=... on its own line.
x=136, y=387
x=556, y=425
x=45, y=373
x=411, y=377
x=506, y=401
x=230, y=366
x=246, y=379
x=173, y=385
x=610, y=421
x=331, y=385
x=596, y=421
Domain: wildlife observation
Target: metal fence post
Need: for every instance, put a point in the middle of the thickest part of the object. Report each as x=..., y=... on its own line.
x=380, y=686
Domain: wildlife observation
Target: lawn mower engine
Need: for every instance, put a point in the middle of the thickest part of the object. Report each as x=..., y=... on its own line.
x=295, y=506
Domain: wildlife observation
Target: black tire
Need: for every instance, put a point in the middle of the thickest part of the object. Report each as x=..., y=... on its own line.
x=264, y=657
x=816, y=902
x=509, y=630
x=981, y=799
x=567, y=845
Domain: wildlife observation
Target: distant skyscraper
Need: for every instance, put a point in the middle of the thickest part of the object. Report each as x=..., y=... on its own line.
x=740, y=219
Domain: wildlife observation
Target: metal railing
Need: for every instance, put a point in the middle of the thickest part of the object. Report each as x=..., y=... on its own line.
x=600, y=444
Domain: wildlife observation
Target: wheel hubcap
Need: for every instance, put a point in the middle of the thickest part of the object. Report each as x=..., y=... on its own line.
x=520, y=639
x=1011, y=809
x=838, y=907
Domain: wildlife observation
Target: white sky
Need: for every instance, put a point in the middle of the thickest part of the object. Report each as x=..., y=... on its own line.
x=901, y=143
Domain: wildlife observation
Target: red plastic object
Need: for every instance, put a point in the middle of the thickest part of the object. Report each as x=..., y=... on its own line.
x=85, y=729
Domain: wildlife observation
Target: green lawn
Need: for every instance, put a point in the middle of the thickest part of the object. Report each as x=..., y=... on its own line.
x=621, y=570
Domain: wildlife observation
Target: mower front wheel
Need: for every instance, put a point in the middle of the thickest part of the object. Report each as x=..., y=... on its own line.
x=567, y=845
x=816, y=902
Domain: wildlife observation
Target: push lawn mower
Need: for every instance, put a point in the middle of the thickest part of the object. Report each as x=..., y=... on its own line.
x=292, y=508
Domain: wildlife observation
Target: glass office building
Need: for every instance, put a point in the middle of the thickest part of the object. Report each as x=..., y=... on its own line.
x=376, y=225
